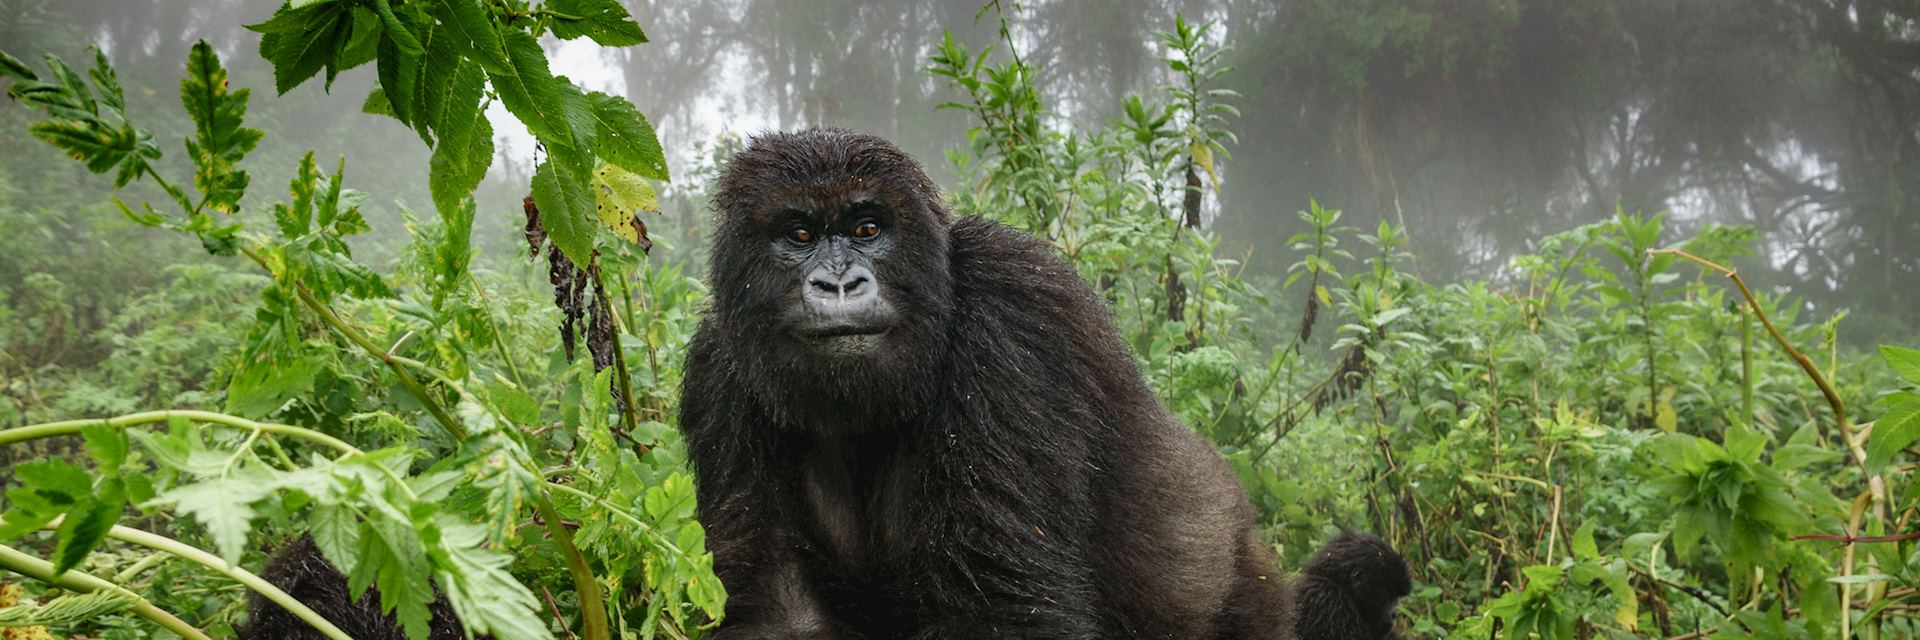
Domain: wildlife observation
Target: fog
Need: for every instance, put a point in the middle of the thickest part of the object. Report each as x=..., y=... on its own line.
x=1480, y=125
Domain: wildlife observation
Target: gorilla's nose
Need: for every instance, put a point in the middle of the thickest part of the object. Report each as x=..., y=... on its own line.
x=844, y=303
x=852, y=285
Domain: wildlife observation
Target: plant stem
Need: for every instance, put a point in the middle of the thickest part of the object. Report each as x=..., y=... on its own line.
x=13, y=560
x=72, y=427
x=406, y=378
x=1746, y=368
x=499, y=340
x=629, y=416
x=593, y=611
x=249, y=579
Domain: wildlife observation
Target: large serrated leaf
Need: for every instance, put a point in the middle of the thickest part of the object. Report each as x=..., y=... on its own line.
x=605, y=21
x=299, y=42
x=1898, y=428
x=623, y=137
x=529, y=90
x=562, y=191
x=468, y=18
x=465, y=151
x=1904, y=361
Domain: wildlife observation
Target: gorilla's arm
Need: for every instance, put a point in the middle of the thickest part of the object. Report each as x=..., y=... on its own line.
x=1349, y=589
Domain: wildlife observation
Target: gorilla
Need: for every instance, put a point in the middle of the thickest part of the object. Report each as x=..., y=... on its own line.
x=908, y=425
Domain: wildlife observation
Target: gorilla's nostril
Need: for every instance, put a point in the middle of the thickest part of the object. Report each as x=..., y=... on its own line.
x=856, y=285
x=824, y=286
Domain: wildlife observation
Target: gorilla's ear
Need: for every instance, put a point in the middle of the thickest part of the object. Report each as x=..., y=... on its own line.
x=1373, y=574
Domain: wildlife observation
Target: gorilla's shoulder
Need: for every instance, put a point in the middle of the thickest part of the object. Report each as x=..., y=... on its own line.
x=1019, y=288
x=992, y=260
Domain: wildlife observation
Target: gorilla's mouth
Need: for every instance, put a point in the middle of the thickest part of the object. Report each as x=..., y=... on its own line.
x=845, y=331
x=846, y=340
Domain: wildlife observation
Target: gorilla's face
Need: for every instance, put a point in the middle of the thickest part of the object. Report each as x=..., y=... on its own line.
x=838, y=303
x=831, y=275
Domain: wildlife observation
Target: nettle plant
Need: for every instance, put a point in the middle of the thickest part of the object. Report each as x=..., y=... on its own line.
x=384, y=415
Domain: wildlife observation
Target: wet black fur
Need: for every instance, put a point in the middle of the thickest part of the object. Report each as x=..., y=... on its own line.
x=996, y=468
x=301, y=571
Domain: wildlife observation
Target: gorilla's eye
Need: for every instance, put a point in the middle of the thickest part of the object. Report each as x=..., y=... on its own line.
x=800, y=235
x=866, y=229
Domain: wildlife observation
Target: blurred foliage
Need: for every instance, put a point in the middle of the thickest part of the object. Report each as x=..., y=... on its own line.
x=1591, y=440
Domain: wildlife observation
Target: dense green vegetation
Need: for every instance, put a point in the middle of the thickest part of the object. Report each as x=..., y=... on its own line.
x=1608, y=437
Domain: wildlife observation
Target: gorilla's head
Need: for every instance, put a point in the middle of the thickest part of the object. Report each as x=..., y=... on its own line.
x=831, y=279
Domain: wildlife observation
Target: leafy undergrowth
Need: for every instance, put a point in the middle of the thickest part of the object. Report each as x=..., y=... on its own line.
x=1608, y=438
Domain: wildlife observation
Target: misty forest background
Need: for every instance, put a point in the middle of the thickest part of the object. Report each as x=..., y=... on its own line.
x=1446, y=270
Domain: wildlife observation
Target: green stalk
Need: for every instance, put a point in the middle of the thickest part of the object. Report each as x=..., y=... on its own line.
x=353, y=335
x=499, y=342
x=1746, y=369
x=249, y=579
x=593, y=612
x=406, y=378
x=13, y=560
x=73, y=427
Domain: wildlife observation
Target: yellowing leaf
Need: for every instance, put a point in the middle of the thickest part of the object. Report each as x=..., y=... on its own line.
x=1203, y=156
x=1665, y=417
x=1326, y=299
x=618, y=197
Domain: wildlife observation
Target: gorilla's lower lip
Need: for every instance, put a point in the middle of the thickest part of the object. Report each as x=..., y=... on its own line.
x=848, y=331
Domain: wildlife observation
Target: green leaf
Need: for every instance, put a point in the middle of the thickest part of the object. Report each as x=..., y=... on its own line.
x=468, y=18
x=479, y=585
x=1895, y=430
x=107, y=83
x=605, y=21
x=295, y=218
x=515, y=404
x=1905, y=362
x=337, y=534
x=465, y=150
x=107, y=445
x=1794, y=456
x=390, y=555
x=15, y=68
x=224, y=506
x=219, y=139
x=624, y=138
x=87, y=524
x=399, y=73
x=529, y=90
x=48, y=489
x=397, y=31
x=300, y=42
x=561, y=191
x=1583, y=544
x=261, y=388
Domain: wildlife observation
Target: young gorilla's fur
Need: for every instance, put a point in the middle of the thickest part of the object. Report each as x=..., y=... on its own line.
x=303, y=573
x=990, y=464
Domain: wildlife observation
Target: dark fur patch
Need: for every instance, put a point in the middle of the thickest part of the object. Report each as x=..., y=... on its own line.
x=301, y=571
x=1349, y=589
